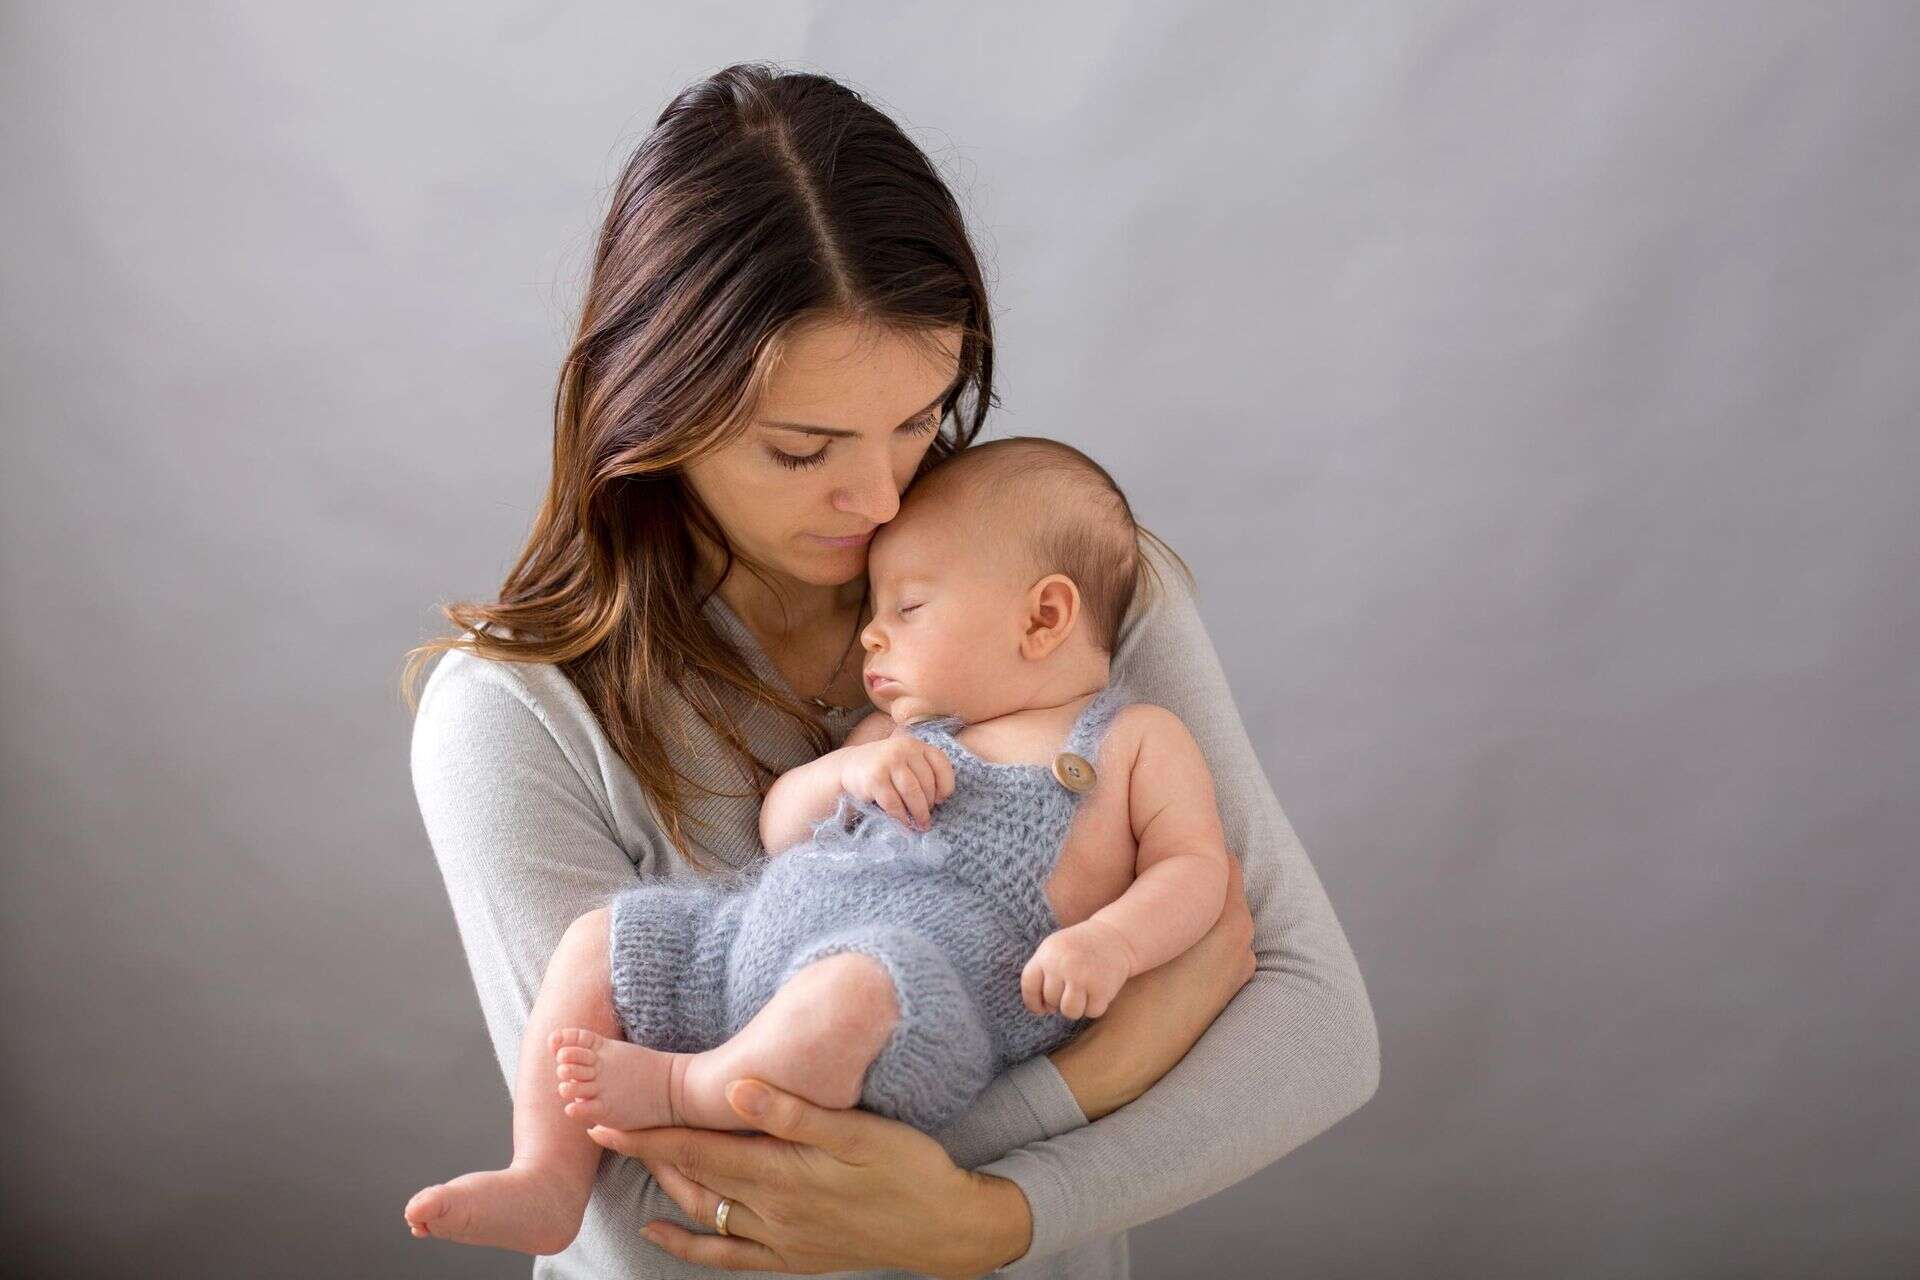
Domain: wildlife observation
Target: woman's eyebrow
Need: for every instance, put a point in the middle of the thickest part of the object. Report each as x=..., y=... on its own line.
x=838, y=432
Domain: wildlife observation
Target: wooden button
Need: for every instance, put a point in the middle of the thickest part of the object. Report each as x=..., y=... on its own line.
x=1073, y=772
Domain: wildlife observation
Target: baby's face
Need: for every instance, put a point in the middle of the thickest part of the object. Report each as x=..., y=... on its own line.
x=947, y=623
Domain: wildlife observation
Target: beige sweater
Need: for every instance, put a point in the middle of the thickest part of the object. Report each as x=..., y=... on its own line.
x=535, y=819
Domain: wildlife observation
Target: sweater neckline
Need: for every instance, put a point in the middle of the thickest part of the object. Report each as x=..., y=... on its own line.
x=750, y=645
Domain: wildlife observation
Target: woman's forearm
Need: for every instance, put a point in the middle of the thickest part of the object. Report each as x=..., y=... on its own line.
x=1160, y=1014
x=999, y=1226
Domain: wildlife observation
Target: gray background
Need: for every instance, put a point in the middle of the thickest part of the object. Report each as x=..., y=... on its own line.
x=1531, y=386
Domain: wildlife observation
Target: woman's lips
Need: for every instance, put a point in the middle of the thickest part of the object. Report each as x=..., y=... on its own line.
x=857, y=540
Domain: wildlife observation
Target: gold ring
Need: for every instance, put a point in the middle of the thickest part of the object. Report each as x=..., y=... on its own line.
x=720, y=1216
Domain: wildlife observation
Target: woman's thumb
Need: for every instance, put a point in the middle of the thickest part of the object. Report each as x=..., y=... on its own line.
x=781, y=1114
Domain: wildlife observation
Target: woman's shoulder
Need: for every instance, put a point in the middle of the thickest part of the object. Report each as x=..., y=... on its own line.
x=1163, y=611
x=474, y=702
x=461, y=679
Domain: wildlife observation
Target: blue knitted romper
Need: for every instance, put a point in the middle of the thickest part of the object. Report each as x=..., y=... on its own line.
x=953, y=914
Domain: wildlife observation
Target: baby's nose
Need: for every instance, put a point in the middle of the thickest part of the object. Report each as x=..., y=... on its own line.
x=870, y=637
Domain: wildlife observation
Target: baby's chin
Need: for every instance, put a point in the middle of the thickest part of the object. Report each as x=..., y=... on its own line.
x=906, y=708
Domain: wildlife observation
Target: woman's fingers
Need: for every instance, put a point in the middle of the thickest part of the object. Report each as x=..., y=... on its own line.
x=1235, y=927
x=701, y=1204
x=849, y=1136
x=751, y=1165
x=727, y=1164
x=724, y=1252
x=740, y=1248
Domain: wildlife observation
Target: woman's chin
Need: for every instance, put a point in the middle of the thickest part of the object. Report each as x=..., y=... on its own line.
x=831, y=566
x=829, y=575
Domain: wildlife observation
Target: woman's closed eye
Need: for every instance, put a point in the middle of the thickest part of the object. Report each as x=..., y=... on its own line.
x=926, y=425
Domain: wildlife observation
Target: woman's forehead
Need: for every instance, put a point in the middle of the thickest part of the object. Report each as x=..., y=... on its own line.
x=841, y=376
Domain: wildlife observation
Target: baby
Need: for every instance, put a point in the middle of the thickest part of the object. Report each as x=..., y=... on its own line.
x=985, y=861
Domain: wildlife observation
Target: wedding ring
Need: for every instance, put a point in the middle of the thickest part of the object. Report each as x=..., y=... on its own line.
x=720, y=1217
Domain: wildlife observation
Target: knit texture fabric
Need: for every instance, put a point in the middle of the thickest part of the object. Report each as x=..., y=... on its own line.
x=952, y=914
x=535, y=819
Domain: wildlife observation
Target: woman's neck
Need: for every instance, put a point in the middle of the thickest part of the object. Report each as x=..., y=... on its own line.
x=780, y=607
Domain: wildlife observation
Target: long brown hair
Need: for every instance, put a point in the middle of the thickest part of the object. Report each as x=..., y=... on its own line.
x=759, y=202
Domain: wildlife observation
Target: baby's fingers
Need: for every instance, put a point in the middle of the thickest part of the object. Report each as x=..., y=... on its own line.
x=888, y=799
x=923, y=770
x=1030, y=988
x=942, y=774
x=911, y=792
x=1050, y=990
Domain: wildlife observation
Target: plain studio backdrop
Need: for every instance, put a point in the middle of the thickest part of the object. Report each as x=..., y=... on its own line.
x=1532, y=387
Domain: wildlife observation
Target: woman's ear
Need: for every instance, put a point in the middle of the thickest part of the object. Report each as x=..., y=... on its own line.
x=1053, y=610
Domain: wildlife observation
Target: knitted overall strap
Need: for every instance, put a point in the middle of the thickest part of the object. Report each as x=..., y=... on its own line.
x=1085, y=736
x=1083, y=739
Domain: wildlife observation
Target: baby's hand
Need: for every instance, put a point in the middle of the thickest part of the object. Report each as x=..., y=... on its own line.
x=1077, y=971
x=902, y=774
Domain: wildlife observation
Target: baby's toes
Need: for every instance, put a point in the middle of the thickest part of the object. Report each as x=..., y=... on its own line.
x=588, y=1110
x=577, y=1070
x=428, y=1204
x=574, y=1038
x=575, y=1056
x=579, y=1088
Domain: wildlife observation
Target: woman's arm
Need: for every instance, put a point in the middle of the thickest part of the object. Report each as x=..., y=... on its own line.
x=1293, y=1052
x=525, y=845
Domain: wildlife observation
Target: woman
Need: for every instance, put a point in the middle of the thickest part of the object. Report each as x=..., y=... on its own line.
x=783, y=319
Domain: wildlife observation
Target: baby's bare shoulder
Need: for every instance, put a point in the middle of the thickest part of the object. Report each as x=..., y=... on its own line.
x=1143, y=731
x=1148, y=724
x=1149, y=735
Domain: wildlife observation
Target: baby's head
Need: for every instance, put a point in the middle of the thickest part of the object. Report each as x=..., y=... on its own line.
x=1001, y=584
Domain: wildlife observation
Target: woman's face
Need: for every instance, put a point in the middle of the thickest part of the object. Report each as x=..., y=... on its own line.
x=839, y=431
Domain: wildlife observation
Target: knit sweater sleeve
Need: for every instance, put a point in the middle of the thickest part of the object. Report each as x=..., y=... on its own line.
x=1293, y=1052
x=525, y=844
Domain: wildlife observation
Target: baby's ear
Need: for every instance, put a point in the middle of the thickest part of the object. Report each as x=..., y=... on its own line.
x=1053, y=610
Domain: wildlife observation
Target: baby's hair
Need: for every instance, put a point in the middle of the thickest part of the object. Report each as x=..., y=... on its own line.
x=1078, y=519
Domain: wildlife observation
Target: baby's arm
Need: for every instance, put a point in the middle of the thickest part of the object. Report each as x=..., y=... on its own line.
x=805, y=794
x=1179, y=885
x=1180, y=872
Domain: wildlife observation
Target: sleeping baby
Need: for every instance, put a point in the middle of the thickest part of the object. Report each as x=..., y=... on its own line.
x=984, y=862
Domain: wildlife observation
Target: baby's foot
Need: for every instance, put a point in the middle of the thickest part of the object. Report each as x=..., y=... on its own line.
x=521, y=1207
x=611, y=1082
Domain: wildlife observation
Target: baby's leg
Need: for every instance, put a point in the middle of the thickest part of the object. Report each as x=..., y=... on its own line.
x=536, y=1203
x=814, y=1038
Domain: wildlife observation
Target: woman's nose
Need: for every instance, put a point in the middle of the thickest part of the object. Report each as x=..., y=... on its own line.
x=873, y=494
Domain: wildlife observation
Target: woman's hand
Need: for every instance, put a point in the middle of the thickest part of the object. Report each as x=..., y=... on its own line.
x=1161, y=1013
x=825, y=1190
